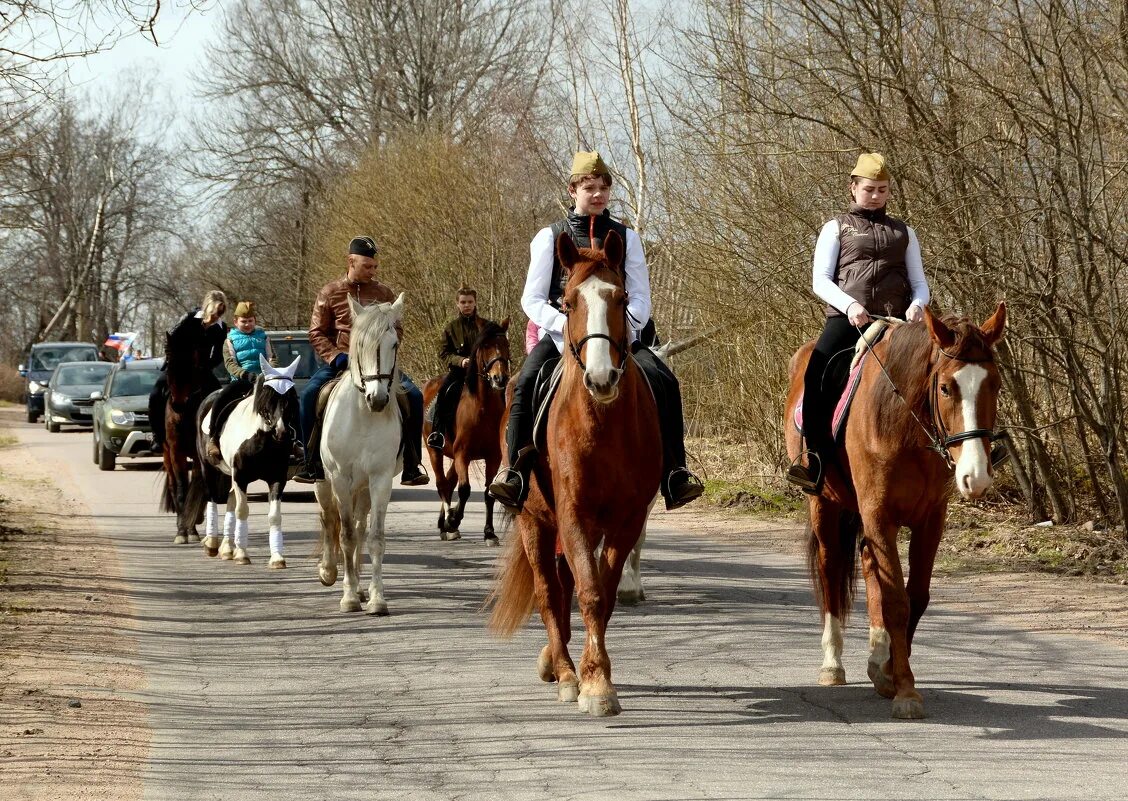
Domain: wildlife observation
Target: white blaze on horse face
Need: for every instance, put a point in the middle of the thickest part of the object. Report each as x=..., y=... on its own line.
x=973, y=474
x=601, y=376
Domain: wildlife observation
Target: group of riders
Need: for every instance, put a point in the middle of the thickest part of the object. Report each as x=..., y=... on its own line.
x=867, y=263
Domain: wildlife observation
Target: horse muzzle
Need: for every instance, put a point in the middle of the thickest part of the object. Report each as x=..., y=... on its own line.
x=603, y=385
x=499, y=382
x=377, y=400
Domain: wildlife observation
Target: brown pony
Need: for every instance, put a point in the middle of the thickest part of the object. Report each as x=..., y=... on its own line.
x=598, y=471
x=481, y=407
x=930, y=413
x=180, y=458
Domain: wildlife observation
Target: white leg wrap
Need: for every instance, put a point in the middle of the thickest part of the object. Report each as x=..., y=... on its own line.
x=275, y=541
x=211, y=520
x=879, y=646
x=240, y=533
x=229, y=524
x=832, y=641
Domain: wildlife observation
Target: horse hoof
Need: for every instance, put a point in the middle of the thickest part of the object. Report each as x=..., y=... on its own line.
x=225, y=549
x=180, y=539
x=600, y=706
x=378, y=608
x=211, y=546
x=568, y=692
x=492, y=540
x=631, y=597
x=277, y=563
x=908, y=708
x=194, y=536
x=881, y=683
x=240, y=557
x=327, y=576
x=350, y=604
x=544, y=665
x=447, y=536
x=832, y=677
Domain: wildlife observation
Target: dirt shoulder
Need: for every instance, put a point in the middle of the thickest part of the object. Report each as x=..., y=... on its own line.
x=70, y=724
x=987, y=565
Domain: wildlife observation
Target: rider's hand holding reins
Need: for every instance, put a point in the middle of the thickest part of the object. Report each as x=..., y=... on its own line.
x=857, y=314
x=915, y=314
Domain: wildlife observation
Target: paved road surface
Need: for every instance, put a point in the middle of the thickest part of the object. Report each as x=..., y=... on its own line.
x=261, y=689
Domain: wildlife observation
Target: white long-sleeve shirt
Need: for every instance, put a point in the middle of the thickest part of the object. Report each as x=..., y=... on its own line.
x=826, y=262
x=534, y=300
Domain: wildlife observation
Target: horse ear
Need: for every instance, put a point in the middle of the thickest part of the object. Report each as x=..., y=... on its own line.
x=397, y=306
x=354, y=308
x=264, y=366
x=993, y=328
x=566, y=251
x=505, y=324
x=940, y=333
x=290, y=371
x=613, y=248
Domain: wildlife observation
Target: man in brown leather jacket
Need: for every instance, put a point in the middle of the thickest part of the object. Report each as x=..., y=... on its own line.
x=329, y=334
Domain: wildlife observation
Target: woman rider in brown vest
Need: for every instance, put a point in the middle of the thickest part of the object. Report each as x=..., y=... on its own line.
x=866, y=262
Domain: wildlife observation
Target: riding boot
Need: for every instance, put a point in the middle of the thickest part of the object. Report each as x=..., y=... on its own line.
x=158, y=399
x=313, y=471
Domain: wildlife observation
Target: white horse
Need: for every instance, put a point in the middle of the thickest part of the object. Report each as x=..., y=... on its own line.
x=255, y=442
x=360, y=449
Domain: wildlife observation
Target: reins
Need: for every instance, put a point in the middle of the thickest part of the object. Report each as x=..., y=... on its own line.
x=938, y=437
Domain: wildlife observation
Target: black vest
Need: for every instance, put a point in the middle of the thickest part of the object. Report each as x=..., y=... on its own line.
x=586, y=232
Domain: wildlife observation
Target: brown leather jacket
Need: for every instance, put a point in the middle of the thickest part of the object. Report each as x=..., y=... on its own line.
x=871, y=261
x=331, y=321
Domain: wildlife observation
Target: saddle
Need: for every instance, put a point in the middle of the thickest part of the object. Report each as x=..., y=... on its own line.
x=842, y=409
x=452, y=396
x=323, y=401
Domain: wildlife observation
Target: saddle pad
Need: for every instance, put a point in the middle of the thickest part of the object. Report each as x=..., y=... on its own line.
x=842, y=409
x=542, y=398
x=324, y=393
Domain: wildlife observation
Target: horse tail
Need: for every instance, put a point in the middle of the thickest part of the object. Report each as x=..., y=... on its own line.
x=841, y=594
x=196, y=503
x=512, y=596
x=168, y=495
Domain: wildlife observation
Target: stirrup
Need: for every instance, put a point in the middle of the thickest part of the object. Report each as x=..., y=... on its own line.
x=800, y=476
x=503, y=490
x=436, y=440
x=690, y=490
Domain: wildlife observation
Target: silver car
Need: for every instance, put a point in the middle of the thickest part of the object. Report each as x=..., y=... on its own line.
x=67, y=400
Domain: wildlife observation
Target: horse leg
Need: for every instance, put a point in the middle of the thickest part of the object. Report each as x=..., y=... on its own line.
x=462, y=471
x=226, y=548
x=211, y=529
x=629, y=591
x=881, y=536
x=350, y=599
x=549, y=582
x=877, y=668
x=380, y=491
x=242, y=512
x=330, y=535
x=597, y=693
x=274, y=517
x=488, y=531
x=443, y=485
x=450, y=480
x=923, y=545
x=831, y=555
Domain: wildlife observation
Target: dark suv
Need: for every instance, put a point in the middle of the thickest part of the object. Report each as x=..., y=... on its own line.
x=121, y=412
x=41, y=364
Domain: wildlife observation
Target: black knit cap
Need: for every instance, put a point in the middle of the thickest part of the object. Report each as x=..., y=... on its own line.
x=362, y=246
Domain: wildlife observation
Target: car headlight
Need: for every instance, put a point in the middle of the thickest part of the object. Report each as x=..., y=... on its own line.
x=122, y=418
x=35, y=388
x=59, y=397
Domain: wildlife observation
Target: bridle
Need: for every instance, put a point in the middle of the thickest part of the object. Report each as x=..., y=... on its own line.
x=938, y=437
x=576, y=347
x=378, y=376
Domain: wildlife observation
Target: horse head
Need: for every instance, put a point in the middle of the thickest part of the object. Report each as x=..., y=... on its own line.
x=489, y=356
x=276, y=400
x=374, y=350
x=595, y=303
x=964, y=394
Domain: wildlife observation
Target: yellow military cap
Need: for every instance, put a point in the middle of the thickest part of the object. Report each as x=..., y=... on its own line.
x=872, y=166
x=584, y=163
x=245, y=308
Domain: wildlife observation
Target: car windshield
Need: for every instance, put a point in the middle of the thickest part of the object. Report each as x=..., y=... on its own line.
x=285, y=350
x=52, y=357
x=77, y=375
x=133, y=382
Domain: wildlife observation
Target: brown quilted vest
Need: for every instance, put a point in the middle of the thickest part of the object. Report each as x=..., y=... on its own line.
x=871, y=262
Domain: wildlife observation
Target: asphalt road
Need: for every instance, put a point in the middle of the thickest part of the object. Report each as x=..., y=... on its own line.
x=259, y=688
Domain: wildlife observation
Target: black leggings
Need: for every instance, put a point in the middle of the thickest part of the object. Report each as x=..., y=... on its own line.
x=446, y=400
x=825, y=376
x=520, y=428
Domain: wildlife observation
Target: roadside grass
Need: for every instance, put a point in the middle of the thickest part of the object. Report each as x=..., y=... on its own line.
x=753, y=499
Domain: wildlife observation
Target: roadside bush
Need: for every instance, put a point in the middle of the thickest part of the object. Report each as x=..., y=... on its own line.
x=11, y=384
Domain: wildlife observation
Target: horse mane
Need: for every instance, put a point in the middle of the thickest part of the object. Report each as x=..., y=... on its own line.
x=908, y=360
x=488, y=332
x=266, y=400
x=593, y=262
x=368, y=330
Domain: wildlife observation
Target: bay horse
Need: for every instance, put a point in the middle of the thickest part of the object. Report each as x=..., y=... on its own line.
x=895, y=468
x=481, y=406
x=182, y=367
x=360, y=448
x=255, y=444
x=596, y=476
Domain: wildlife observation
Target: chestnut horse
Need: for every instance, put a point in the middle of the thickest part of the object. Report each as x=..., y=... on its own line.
x=596, y=475
x=481, y=405
x=924, y=410
x=180, y=459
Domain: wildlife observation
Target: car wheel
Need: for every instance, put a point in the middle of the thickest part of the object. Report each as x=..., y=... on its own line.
x=32, y=417
x=52, y=427
x=107, y=459
x=94, y=437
